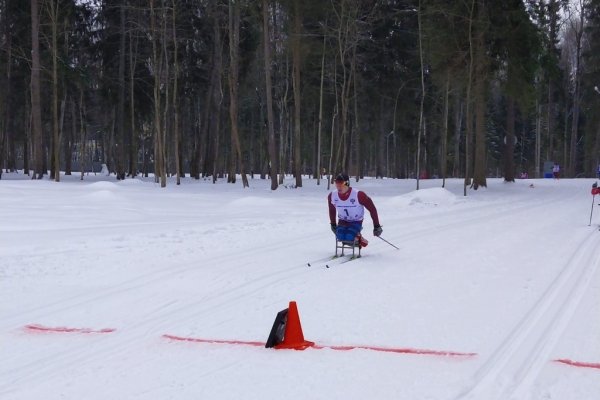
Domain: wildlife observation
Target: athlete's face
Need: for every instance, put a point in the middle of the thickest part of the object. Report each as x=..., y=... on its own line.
x=341, y=187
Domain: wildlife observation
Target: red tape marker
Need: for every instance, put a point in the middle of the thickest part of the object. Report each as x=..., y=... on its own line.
x=197, y=340
x=62, y=329
x=319, y=347
x=578, y=363
x=401, y=350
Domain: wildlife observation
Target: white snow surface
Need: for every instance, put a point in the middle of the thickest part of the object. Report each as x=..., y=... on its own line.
x=510, y=273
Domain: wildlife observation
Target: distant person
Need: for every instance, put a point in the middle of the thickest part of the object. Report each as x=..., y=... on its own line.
x=598, y=171
x=349, y=205
x=556, y=171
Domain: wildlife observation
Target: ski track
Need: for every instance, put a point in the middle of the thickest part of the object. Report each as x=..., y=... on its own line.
x=159, y=275
x=510, y=372
x=156, y=276
x=535, y=335
x=460, y=218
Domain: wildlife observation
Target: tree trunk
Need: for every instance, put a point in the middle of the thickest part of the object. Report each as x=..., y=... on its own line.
x=297, y=62
x=133, y=148
x=356, y=131
x=444, y=150
x=347, y=39
x=120, y=141
x=234, y=42
x=216, y=99
x=318, y=169
x=458, y=117
x=538, y=140
x=479, y=172
x=36, y=110
x=176, y=134
x=5, y=95
x=509, y=145
x=572, y=169
x=469, y=127
x=157, y=60
x=82, y=147
x=70, y=138
x=421, y=125
x=269, y=94
x=55, y=163
x=167, y=121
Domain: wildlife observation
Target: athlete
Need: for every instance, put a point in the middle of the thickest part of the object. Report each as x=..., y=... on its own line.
x=349, y=205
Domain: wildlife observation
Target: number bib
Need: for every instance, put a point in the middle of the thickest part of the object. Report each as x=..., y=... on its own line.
x=350, y=209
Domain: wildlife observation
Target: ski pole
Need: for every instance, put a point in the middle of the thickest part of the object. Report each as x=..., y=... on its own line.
x=591, y=212
x=594, y=192
x=388, y=242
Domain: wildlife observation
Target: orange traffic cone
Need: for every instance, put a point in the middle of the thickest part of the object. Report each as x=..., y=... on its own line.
x=293, y=338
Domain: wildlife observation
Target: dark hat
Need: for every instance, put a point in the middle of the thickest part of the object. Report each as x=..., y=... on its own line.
x=343, y=178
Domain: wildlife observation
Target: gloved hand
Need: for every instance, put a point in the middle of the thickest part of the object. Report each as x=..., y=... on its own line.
x=377, y=230
x=334, y=228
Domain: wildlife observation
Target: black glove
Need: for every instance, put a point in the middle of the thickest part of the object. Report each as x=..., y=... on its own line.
x=377, y=230
x=334, y=228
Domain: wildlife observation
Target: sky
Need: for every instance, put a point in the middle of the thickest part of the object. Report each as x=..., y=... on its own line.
x=125, y=290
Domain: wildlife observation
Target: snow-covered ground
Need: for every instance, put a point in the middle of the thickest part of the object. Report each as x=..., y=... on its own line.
x=509, y=273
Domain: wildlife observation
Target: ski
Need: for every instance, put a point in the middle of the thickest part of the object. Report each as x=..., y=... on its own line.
x=332, y=261
x=320, y=261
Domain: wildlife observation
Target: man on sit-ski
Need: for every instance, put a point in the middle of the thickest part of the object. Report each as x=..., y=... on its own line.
x=350, y=207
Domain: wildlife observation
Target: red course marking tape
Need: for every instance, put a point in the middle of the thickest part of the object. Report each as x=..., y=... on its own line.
x=62, y=329
x=401, y=350
x=578, y=363
x=197, y=340
x=319, y=347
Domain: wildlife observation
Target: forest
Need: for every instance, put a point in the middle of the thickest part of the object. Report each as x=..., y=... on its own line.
x=238, y=89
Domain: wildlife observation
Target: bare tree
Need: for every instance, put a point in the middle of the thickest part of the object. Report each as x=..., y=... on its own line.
x=269, y=94
x=576, y=26
x=480, y=81
x=319, y=129
x=469, y=133
x=234, y=43
x=421, y=124
x=120, y=142
x=297, y=62
x=133, y=148
x=5, y=112
x=176, y=133
x=214, y=99
x=157, y=70
x=509, y=146
x=346, y=34
x=36, y=110
x=53, y=15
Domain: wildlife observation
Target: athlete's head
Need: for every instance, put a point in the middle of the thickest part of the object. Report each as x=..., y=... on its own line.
x=342, y=179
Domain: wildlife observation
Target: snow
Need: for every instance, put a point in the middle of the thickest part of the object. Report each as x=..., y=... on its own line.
x=509, y=273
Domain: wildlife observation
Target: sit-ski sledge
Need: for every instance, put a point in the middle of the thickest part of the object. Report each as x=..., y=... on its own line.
x=356, y=245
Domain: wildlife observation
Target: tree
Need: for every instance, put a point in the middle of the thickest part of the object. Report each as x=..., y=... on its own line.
x=120, y=142
x=297, y=63
x=158, y=57
x=234, y=43
x=576, y=29
x=269, y=94
x=36, y=111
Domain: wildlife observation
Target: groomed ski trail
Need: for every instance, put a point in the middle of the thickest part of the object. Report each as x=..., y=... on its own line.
x=510, y=372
